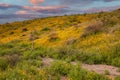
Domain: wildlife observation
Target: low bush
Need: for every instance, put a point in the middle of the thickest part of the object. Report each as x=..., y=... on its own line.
x=92, y=29
x=116, y=61
x=36, y=53
x=3, y=64
x=53, y=37
x=24, y=29
x=14, y=75
x=107, y=72
x=60, y=67
x=11, y=33
x=46, y=29
x=77, y=73
x=12, y=59
x=117, y=78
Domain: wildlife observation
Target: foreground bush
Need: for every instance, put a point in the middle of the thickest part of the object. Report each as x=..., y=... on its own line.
x=117, y=78
x=60, y=67
x=3, y=64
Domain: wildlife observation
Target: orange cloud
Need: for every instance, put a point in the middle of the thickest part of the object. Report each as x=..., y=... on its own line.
x=36, y=1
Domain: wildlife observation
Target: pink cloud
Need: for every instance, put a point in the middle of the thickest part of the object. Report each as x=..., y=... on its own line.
x=61, y=9
x=36, y=1
x=26, y=12
x=4, y=5
x=21, y=12
x=35, y=8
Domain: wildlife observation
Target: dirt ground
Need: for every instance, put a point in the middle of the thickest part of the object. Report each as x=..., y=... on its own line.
x=100, y=69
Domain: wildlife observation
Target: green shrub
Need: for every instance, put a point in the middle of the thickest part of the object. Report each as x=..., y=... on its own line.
x=3, y=64
x=77, y=73
x=88, y=57
x=4, y=51
x=36, y=63
x=36, y=53
x=24, y=29
x=66, y=52
x=15, y=75
x=11, y=33
x=60, y=67
x=117, y=78
x=107, y=72
x=116, y=61
x=95, y=76
x=46, y=29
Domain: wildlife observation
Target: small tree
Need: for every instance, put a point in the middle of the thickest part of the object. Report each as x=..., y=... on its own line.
x=32, y=38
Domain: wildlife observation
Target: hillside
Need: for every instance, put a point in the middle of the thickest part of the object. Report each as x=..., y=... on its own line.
x=84, y=38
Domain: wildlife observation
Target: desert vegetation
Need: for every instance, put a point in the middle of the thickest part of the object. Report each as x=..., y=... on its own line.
x=81, y=39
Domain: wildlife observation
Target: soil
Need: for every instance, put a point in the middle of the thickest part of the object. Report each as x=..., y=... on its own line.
x=98, y=68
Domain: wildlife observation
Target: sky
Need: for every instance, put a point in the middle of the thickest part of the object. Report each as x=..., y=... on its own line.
x=17, y=10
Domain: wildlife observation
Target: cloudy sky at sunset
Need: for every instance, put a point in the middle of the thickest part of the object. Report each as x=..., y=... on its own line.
x=15, y=10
